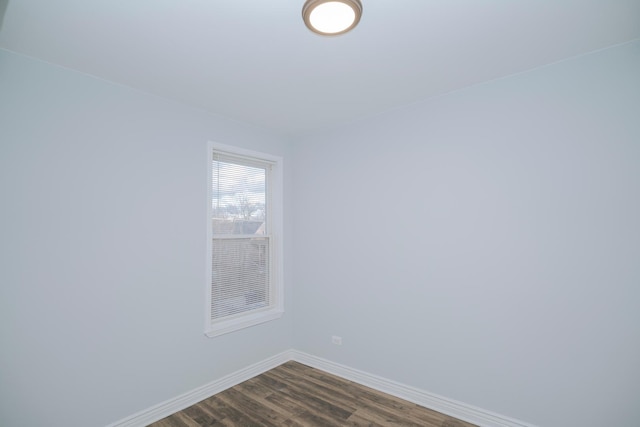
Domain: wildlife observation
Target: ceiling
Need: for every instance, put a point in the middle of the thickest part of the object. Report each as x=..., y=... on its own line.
x=255, y=61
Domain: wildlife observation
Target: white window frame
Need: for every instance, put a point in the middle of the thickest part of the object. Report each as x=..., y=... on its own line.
x=274, y=216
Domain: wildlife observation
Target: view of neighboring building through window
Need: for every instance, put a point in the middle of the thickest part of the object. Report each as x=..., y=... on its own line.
x=244, y=288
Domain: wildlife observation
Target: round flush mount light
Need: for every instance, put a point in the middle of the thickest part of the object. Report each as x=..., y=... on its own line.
x=331, y=17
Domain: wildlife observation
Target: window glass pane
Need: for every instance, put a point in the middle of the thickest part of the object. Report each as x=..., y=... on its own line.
x=238, y=202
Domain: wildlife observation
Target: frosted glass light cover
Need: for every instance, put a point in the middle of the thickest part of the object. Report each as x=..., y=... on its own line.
x=332, y=17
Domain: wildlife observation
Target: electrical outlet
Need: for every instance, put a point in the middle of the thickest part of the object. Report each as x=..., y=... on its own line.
x=336, y=340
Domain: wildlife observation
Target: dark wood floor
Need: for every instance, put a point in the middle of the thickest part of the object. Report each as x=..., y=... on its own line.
x=297, y=395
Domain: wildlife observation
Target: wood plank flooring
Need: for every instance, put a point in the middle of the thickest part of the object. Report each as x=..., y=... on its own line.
x=297, y=395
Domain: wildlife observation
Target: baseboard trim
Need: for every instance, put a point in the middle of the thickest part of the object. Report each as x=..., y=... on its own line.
x=447, y=406
x=168, y=407
x=450, y=407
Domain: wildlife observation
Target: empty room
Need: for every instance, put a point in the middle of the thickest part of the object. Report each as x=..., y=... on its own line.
x=320, y=213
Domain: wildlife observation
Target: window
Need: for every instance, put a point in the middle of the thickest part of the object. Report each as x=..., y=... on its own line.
x=244, y=257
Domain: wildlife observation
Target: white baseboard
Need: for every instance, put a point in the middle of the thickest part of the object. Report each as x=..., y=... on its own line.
x=450, y=407
x=168, y=407
x=432, y=401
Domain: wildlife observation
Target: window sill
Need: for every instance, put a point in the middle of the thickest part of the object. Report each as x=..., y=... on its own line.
x=247, y=321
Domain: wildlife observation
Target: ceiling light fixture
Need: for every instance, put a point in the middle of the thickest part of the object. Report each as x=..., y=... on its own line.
x=331, y=17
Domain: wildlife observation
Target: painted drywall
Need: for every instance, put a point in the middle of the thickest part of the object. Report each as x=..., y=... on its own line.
x=482, y=245
x=485, y=245
x=103, y=249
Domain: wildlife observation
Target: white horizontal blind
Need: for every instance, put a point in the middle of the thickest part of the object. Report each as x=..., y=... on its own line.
x=241, y=243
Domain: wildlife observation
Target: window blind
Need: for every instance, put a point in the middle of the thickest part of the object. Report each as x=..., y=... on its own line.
x=241, y=243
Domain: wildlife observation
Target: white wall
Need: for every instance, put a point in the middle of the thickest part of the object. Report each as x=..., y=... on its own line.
x=485, y=245
x=482, y=245
x=103, y=249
